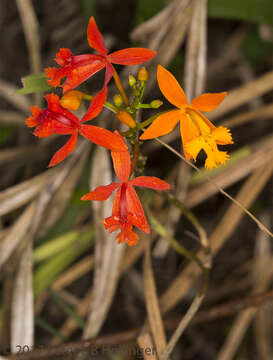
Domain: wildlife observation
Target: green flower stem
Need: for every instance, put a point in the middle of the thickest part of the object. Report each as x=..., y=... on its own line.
x=107, y=104
x=162, y=231
x=144, y=106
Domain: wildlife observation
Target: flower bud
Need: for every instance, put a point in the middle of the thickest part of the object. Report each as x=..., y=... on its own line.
x=71, y=100
x=143, y=74
x=155, y=104
x=126, y=118
x=132, y=80
x=118, y=100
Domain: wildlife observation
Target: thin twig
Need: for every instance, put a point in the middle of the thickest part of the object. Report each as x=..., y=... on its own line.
x=222, y=191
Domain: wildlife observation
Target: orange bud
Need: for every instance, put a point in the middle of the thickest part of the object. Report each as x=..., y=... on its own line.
x=143, y=74
x=71, y=100
x=126, y=118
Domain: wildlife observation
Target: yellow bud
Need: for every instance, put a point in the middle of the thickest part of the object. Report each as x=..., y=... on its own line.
x=126, y=118
x=143, y=74
x=155, y=104
x=118, y=100
x=71, y=100
x=132, y=80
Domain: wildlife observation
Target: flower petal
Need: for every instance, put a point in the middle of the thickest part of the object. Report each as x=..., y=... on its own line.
x=131, y=56
x=33, y=120
x=65, y=150
x=150, y=182
x=121, y=161
x=95, y=38
x=189, y=131
x=108, y=73
x=63, y=56
x=96, y=105
x=162, y=125
x=77, y=75
x=170, y=87
x=194, y=147
x=102, y=137
x=101, y=193
x=135, y=208
x=222, y=135
x=208, y=102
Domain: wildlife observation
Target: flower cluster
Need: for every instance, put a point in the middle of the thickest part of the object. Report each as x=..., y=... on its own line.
x=197, y=132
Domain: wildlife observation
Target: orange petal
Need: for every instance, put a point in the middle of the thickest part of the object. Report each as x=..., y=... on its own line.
x=131, y=56
x=135, y=208
x=208, y=102
x=102, y=137
x=170, y=88
x=101, y=193
x=121, y=162
x=95, y=38
x=222, y=135
x=162, y=125
x=150, y=182
x=188, y=131
x=65, y=150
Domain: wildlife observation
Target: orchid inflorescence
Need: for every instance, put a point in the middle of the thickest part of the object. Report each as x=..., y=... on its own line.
x=197, y=132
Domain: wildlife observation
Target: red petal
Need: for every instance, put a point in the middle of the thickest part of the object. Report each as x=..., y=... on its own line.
x=65, y=150
x=54, y=76
x=122, y=161
x=33, y=120
x=135, y=208
x=108, y=74
x=131, y=56
x=101, y=193
x=96, y=105
x=66, y=118
x=95, y=38
x=102, y=137
x=63, y=56
x=150, y=182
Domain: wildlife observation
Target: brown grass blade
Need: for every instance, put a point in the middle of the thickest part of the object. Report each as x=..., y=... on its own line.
x=22, y=313
x=107, y=254
x=18, y=195
x=152, y=304
x=145, y=343
x=244, y=94
x=31, y=30
x=19, y=101
x=61, y=188
x=248, y=193
x=262, y=273
x=17, y=233
x=195, y=62
x=260, y=153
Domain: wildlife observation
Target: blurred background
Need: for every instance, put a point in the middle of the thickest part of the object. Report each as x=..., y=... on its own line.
x=63, y=278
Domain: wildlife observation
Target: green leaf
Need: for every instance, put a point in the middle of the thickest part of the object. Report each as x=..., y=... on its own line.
x=34, y=83
x=257, y=11
x=47, y=272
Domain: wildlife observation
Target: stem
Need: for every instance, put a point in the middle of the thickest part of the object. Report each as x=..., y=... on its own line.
x=107, y=104
x=120, y=87
x=135, y=157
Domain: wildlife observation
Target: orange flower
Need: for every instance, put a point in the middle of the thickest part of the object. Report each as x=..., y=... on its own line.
x=127, y=209
x=78, y=68
x=197, y=132
x=57, y=120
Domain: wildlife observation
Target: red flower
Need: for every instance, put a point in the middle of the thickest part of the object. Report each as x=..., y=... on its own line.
x=57, y=120
x=78, y=68
x=127, y=209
